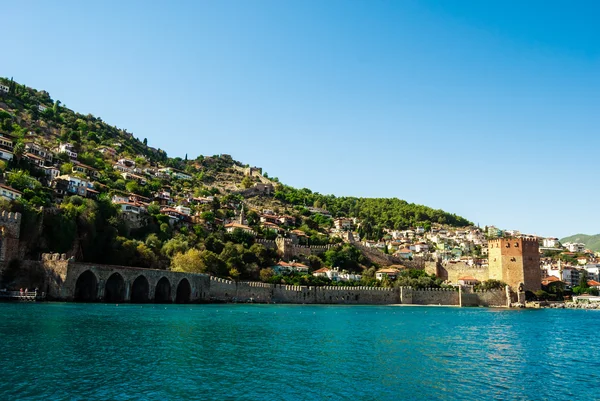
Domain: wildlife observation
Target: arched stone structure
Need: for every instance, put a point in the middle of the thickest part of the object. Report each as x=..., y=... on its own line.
x=86, y=287
x=162, y=293
x=62, y=276
x=140, y=290
x=184, y=292
x=115, y=289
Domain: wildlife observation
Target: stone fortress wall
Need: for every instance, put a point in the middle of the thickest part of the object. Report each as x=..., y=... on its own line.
x=453, y=271
x=10, y=232
x=68, y=280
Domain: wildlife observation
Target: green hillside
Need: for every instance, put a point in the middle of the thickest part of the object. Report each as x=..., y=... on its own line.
x=102, y=194
x=592, y=242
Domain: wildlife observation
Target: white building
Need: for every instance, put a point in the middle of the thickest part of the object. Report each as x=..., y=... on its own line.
x=69, y=149
x=76, y=185
x=183, y=210
x=593, y=271
x=4, y=88
x=5, y=155
x=51, y=171
x=342, y=224
x=576, y=247
x=174, y=173
x=9, y=192
x=550, y=243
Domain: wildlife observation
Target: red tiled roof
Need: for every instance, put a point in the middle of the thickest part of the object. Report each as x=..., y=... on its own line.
x=10, y=189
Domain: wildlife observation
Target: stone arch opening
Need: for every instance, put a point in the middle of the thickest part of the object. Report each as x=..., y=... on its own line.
x=86, y=287
x=114, y=290
x=140, y=290
x=184, y=292
x=163, y=291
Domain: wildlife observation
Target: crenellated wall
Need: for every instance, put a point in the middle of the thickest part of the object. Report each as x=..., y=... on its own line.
x=436, y=296
x=289, y=250
x=496, y=298
x=453, y=271
x=68, y=280
x=335, y=295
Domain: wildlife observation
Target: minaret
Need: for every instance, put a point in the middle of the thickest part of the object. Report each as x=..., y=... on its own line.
x=242, y=217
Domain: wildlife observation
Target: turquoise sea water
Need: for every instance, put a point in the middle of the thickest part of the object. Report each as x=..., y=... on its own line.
x=268, y=352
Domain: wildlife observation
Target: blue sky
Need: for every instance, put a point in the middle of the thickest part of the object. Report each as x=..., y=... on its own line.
x=488, y=109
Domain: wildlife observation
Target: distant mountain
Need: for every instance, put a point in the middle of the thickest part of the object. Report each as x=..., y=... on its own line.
x=592, y=242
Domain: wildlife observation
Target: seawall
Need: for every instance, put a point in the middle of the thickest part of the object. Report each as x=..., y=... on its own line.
x=67, y=280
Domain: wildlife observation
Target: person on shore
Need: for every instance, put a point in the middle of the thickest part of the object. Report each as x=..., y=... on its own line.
x=21, y=291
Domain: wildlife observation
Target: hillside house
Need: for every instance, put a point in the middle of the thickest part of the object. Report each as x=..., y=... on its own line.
x=134, y=177
x=51, y=172
x=126, y=162
x=105, y=150
x=270, y=226
x=183, y=210
x=594, y=284
x=6, y=143
x=204, y=200
x=85, y=170
x=6, y=155
x=231, y=227
x=130, y=207
x=69, y=149
x=34, y=159
x=342, y=224
x=390, y=273
x=575, y=247
x=467, y=280
x=550, y=243
x=323, y=272
x=42, y=108
x=77, y=186
x=269, y=218
x=293, y=267
x=169, y=171
x=4, y=88
x=286, y=220
x=593, y=271
x=9, y=192
x=175, y=216
x=404, y=253
x=39, y=150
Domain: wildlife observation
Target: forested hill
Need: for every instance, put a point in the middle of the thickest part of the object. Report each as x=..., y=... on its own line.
x=591, y=242
x=375, y=213
x=32, y=113
x=103, y=195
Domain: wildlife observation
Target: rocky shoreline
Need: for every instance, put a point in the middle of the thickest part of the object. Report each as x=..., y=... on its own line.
x=571, y=305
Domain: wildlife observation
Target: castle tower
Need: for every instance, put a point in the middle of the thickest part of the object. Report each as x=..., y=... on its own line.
x=10, y=231
x=515, y=261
